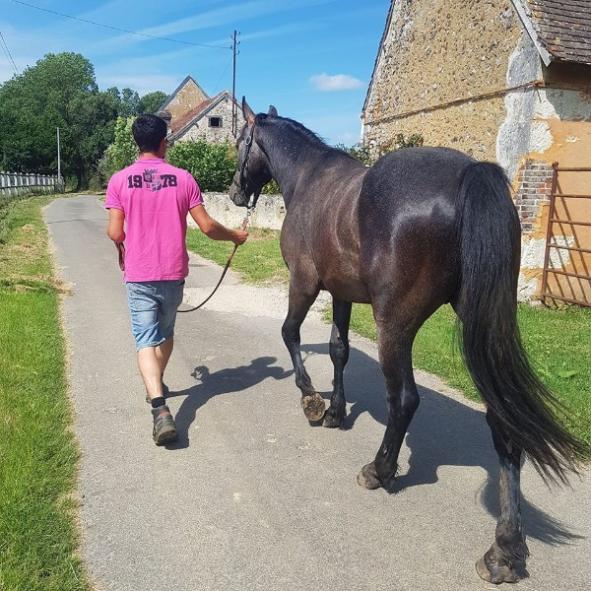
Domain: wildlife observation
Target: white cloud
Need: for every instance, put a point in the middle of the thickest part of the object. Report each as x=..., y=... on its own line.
x=335, y=83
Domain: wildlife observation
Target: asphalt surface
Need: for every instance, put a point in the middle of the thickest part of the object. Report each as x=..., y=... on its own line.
x=252, y=497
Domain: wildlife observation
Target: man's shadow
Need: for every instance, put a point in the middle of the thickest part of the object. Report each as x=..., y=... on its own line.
x=225, y=381
x=443, y=432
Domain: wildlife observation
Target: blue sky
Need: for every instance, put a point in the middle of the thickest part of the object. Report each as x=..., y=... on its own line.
x=312, y=59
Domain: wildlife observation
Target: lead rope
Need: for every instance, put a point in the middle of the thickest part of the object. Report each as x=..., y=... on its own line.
x=245, y=223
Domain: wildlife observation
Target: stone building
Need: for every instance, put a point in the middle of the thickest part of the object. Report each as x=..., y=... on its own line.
x=192, y=115
x=507, y=81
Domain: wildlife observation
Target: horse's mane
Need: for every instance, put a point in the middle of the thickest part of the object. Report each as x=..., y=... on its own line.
x=308, y=133
x=303, y=130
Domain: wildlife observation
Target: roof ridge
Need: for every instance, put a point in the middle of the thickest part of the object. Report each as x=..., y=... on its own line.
x=178, y=88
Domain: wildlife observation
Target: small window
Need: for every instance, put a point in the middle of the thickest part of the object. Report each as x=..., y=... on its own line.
x=215, y=122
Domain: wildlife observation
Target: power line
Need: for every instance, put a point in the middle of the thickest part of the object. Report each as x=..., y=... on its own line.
x=223, y=73
x=7, y=52
x=119, y=29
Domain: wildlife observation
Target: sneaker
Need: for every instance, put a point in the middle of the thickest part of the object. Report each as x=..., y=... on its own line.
x=164, y=427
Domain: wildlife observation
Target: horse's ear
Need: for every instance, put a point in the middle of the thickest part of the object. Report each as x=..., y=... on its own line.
x=272, y=112
x=247, y=112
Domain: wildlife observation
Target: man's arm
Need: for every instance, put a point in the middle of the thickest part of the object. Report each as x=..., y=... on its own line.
x=115, y=229
x=215, y=230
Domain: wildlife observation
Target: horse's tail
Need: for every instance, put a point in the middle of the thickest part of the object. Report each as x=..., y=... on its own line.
x=520, y=405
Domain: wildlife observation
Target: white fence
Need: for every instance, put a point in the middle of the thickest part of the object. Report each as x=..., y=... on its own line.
x=13, y=184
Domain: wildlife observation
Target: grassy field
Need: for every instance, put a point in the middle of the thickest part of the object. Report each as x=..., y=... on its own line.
x=38, y=454
x=558, y=342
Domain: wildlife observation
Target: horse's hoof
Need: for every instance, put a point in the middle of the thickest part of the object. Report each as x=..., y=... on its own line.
x=333, y=419
x=499, y=572
x=313, y=406
x=368, y=477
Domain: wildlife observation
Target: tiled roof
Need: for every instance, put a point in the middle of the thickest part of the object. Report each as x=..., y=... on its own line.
x=562, y=28
x=179, y=123
x=178, y=127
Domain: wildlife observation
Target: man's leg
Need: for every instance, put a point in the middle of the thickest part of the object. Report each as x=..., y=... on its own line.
x=163, y=353
x=144, y=304
x=151, y=370
x=171, y=298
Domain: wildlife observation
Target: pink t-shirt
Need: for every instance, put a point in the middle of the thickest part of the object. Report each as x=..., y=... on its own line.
x=155, y=198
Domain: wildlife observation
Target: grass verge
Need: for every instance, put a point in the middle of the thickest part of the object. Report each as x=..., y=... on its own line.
x=38, y=453
x=557, y=342
x=259, y=259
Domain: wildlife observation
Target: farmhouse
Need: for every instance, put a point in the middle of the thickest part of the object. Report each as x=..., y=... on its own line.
x=508, y=81
x=193, y=115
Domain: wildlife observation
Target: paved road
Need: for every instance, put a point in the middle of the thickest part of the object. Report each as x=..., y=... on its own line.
x=252, y=498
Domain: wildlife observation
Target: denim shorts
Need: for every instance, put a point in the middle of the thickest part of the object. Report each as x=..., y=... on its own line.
x=153, y=306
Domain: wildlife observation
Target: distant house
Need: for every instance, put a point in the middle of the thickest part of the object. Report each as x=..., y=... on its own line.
x=193, y=115
x=508, y=81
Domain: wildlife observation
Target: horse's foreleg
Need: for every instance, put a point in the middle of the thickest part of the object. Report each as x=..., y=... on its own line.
x=395, y=350
x=301, y=297
x=505, y=560
x=339, y=354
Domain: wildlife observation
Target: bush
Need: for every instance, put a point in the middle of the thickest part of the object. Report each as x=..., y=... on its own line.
x=401, y=141
x=271, y=188
x=358, y=151
x=212, y=165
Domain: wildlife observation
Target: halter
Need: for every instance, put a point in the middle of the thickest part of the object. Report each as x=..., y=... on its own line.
x=244, y=168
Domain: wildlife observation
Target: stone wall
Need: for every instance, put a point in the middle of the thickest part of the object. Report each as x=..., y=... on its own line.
x=201, y=129
x=435, y=52
x=269, y=212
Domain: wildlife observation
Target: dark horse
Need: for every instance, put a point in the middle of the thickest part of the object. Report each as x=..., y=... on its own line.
x=420, y=228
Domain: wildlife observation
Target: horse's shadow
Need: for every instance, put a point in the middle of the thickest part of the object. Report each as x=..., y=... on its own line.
x=225, y=381
x=443, y=433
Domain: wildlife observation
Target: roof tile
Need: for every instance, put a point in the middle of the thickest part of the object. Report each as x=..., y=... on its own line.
x=563, y=27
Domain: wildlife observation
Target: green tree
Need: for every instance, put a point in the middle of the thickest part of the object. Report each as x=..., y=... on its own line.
x=58, y=91
x=212, y=165
x=121, y=153
x=130, y=103
x=150, y=102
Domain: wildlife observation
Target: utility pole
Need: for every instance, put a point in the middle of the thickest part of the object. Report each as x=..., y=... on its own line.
x=234, y=112
x=59, y=162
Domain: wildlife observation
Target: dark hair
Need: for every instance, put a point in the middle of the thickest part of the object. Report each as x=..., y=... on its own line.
x=148, y=132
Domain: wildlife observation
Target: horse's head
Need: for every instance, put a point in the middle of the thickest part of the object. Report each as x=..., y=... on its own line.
x=252, y=170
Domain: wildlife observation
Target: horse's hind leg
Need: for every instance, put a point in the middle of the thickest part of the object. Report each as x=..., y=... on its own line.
x=302, y=294
x=505, y=560
x=339, y=354
x=395, y=338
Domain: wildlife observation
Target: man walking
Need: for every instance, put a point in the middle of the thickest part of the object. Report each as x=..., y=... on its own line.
x=148, y=203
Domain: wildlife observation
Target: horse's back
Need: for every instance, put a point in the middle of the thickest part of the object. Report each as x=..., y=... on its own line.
x=407, y=222
x=412, y=176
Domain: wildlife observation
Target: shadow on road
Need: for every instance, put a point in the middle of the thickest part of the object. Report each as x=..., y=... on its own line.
x=226, y=381
x=443, y=433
